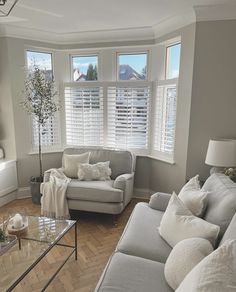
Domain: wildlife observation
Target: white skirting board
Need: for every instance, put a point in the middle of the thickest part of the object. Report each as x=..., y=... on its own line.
x=23, y=193
x=8, y=198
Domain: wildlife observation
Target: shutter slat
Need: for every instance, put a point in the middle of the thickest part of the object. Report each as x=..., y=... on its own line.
x=128, y=114
x=84, y=115
x=165, y=116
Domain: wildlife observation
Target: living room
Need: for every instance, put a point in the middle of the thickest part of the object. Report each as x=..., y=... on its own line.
x=155, y=79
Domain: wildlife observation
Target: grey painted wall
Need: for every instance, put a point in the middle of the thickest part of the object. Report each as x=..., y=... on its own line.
x=214, y=91
x=7, y=130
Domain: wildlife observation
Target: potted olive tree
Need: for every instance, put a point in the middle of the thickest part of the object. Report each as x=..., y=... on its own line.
x=40, y=100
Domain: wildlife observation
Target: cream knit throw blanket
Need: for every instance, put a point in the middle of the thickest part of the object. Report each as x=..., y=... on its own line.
x=53, y=202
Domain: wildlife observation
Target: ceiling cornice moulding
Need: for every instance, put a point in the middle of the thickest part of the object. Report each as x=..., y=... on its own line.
x=215, y=12
x=129, y=34
x=148, y=33
x=173, y=23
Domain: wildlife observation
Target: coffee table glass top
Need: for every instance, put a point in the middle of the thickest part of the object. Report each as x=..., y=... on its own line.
x=42, y=234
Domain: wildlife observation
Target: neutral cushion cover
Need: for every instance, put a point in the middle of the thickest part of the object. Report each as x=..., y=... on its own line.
x=120, y=161
x=215, y=273
x=140, y=237
x=221, y=201
x=159, y=201
x=97, y=191
x=193, y=197
x=230, y=232
x=179, y=223
x=125, y=273
x=98, y=171
x=184, y=257
x=71, y=163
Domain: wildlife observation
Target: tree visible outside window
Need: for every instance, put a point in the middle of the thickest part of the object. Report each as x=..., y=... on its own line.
x=85, y=68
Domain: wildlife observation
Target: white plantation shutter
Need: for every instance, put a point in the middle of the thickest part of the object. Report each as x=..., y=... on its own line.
x=128, y=114
x=165, y=118
x=84, y=114
x=50, y=135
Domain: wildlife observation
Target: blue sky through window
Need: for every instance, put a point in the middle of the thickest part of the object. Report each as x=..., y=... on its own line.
x=81, y=63
x=136, y=61
x=173, y=61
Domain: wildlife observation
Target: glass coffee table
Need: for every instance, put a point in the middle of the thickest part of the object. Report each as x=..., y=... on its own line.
x=42, y=235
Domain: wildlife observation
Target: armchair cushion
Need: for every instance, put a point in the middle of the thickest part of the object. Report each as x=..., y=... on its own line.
x=121, y=180
x=97, y=191
x=159, y=201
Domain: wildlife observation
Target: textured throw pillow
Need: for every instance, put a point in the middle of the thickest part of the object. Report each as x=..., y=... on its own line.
x=215, y=273
x=98, y=171
x=183, y=258
x=193, y=197
x=179, y=223
x=71, y=163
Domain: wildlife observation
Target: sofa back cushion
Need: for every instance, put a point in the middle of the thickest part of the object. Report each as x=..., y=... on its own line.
x=221, y=205
x=120, y=161
x=230, y=232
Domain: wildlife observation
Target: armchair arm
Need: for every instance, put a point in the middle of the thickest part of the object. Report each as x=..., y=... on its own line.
x=46, y=174
x=159, y=201
x=125, y=182
x=121, y=180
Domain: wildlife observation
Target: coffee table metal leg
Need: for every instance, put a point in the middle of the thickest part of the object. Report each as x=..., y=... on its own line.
x=19, y=241
x=76, y=241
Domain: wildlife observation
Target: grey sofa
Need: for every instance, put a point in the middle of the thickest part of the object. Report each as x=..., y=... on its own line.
x=138, y=262
x=109, y=197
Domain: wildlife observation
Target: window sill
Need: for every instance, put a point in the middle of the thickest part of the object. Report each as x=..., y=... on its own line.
x=46, y=151
x=166, y=160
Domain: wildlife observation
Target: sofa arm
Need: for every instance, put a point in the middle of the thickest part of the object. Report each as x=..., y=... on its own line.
x=159, y=201
x=125, y=182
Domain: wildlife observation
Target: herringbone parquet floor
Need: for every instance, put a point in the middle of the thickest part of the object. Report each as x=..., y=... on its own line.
x=97, y=239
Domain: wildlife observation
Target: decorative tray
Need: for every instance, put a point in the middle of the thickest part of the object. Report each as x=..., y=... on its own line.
x=5, y=246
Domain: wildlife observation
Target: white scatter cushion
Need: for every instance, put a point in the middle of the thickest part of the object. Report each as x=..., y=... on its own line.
x=179, y=223
x=193, y=197
x=183, y=258
x=71, y=163
x=215, y=273
x=98, y=171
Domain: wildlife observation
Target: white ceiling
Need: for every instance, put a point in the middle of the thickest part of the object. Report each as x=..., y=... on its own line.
x=75, y=16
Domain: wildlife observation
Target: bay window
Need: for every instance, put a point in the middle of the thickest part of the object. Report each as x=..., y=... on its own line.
x=134, y=110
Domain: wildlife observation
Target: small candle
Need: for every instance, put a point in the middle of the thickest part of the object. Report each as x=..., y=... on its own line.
x=17, y=221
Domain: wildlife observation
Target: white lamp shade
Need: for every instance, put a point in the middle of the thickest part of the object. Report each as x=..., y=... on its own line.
x=221, y=153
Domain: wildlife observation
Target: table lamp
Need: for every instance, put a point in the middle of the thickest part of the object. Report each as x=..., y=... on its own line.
x=221, y=154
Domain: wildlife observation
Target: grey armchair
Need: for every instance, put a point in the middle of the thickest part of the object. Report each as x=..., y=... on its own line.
x=109, y=197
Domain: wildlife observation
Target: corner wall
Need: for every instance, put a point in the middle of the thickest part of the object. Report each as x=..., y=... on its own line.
x=7, y=129
x=213, y=109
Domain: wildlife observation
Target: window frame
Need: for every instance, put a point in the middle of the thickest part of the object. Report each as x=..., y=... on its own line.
x=132, y=52
x=55, y=147
x=167, y=46
x=163, y=156
x=85, y=54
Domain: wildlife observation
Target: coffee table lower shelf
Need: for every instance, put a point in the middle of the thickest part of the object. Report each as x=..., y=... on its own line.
x=47, y=250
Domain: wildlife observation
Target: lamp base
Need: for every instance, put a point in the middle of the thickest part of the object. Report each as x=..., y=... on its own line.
x=216, y=170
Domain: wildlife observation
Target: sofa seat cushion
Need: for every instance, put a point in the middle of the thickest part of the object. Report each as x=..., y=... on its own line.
x=141, y=236
x=98, y=191
x=129, y=273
